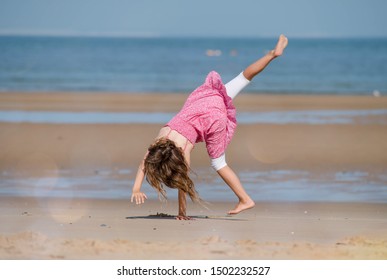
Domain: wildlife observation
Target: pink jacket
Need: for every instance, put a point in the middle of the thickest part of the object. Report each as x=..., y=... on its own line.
x=208, y=115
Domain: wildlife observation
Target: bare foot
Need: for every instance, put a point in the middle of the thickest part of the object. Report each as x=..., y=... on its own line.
x=184, y=218
x=281, y=45
x=241, y=206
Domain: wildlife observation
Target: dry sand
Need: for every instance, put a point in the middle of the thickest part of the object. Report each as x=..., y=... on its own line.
x=37, y=228
x=41, y=228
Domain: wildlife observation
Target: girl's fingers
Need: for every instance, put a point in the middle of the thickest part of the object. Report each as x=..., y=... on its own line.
x=140, y=198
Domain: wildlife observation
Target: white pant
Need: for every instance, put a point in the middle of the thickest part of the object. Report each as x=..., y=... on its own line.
x=233, y=87
x=236, y=85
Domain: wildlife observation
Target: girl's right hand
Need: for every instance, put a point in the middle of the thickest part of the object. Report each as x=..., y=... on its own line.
x=138, y=197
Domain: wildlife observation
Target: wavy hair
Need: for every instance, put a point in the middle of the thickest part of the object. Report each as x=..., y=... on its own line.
x=165, y=164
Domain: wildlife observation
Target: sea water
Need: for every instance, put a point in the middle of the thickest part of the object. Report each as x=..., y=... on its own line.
x=127, y=65
x=264, y=185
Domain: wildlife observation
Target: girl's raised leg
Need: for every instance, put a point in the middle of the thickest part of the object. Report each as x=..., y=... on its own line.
x=258, y=66
x=236, y=85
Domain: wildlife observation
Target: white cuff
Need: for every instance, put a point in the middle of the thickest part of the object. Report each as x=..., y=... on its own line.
x=235, y=86
x=219, y=163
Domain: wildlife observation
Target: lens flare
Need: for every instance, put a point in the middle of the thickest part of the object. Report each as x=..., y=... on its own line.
x=267, y=152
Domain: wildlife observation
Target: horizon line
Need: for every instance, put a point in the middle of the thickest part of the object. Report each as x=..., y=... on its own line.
x=175, y=36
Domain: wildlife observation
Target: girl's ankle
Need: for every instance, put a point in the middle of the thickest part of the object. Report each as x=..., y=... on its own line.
x=271, y=54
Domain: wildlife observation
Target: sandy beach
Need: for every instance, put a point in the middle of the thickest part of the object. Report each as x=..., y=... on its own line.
x=37, y=227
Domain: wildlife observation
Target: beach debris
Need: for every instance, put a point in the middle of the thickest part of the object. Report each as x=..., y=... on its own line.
x=292, y=233
x=305, y=212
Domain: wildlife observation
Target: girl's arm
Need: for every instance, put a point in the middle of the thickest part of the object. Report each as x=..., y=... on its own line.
x=182, y=206
x=182, y=214
x=137, y=195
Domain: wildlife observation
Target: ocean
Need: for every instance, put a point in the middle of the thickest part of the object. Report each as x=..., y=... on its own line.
x=142, y=65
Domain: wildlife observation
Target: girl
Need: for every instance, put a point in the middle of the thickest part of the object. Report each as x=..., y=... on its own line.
x=208, y=115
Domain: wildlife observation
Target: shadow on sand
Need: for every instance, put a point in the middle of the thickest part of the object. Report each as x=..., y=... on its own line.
x=172, y=217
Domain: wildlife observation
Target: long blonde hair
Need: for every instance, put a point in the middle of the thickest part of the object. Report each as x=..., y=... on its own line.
x=165, y=164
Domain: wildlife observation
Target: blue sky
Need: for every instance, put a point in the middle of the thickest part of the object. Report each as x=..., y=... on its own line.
x=210, y=18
